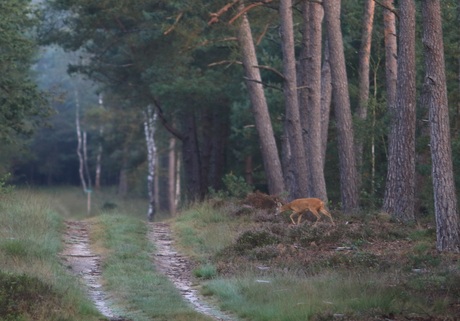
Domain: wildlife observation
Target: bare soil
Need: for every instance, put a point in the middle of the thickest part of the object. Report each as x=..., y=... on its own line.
x=87, y=265
x=178, y=269
x=79, y=258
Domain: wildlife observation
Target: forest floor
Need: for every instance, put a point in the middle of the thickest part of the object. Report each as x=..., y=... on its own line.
x=405, y=255
x=79, y=258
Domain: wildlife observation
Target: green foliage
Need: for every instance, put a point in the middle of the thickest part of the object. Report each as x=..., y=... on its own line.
x=21, y=103
x=236, y=186
x=4, y=187
x=207, y=271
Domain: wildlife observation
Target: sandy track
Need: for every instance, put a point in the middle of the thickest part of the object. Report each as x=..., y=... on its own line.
x=179, y=270
x=81, y=261
x=79, y=258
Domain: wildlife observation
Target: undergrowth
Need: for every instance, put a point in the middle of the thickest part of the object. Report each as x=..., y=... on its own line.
x=34, y=285
x=366, y=267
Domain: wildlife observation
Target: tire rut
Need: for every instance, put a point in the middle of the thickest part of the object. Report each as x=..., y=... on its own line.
x=82, y=262
x=86, y=265
x=179, y=270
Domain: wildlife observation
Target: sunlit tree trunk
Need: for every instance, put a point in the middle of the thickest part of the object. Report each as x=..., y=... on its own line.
x=270, y=156
x=347, y=160
x=364, y=63
x=149, y=131
x=310, y=63
x=445, y=200
x=292, y=121
x=399, y=199
x=391, y=52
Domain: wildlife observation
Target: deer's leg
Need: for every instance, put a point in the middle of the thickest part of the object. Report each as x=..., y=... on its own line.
x=300, y=218
x=328, y=215
x=292, y=217
x=318, y=217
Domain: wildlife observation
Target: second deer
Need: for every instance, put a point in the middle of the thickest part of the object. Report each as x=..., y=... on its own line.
x=302, y=205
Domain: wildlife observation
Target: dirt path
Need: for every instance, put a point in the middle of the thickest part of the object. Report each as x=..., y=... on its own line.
x=86, y=265
x=79, y=258
x=178, y=269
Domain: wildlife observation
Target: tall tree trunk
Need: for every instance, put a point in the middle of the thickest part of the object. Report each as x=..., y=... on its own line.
x=270, y=156
x=149, y=131
x=219, y=137
x=364, y=63
x=311, y=84
x=292, y=121
x=191, y=157
x=97, y=178
x=348, y=173
x=172, y=176
x=81, y=168
x=445, y=200
x=391, y=52
x=326, y=97
x=399, y=199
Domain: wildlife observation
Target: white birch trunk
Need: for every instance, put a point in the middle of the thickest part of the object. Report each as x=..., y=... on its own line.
x=149, y=130
x=80, y=141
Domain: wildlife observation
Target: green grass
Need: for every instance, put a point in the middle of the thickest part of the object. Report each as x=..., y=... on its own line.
x=129, y=273
x=306, y=280
x=294, y=298
x=33, y=283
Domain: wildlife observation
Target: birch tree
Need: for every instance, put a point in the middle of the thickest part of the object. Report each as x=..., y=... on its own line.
x=149, y=131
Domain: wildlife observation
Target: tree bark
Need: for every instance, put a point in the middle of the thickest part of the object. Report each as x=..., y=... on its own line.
x=270, y=156
x=347, y=160
x=399, y=199
x=391, y=52
x=149, y=131
x=172, y=176
x=81, y=168
x=364, y=83
x=191, y=157
x=311, y=84
x=97, y=178
x=292, y=121
x=326, y=98
x=445, y=200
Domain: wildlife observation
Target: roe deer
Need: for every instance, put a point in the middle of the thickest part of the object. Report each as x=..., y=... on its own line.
x=302, y=205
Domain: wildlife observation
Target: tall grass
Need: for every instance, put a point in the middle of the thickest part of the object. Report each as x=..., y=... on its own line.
x=204, y=229
x=129, y=273
x=30, y=242
x=364, y=287
x=293, y=298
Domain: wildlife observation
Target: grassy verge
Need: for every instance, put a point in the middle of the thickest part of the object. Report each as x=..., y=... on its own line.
x=130, y=275
x=33, y=284
x=372, y=268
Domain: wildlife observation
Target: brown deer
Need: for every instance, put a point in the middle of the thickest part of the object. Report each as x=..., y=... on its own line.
x=302, y=205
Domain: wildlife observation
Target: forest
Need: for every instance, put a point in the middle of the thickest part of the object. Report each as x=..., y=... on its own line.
x=354, y=102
